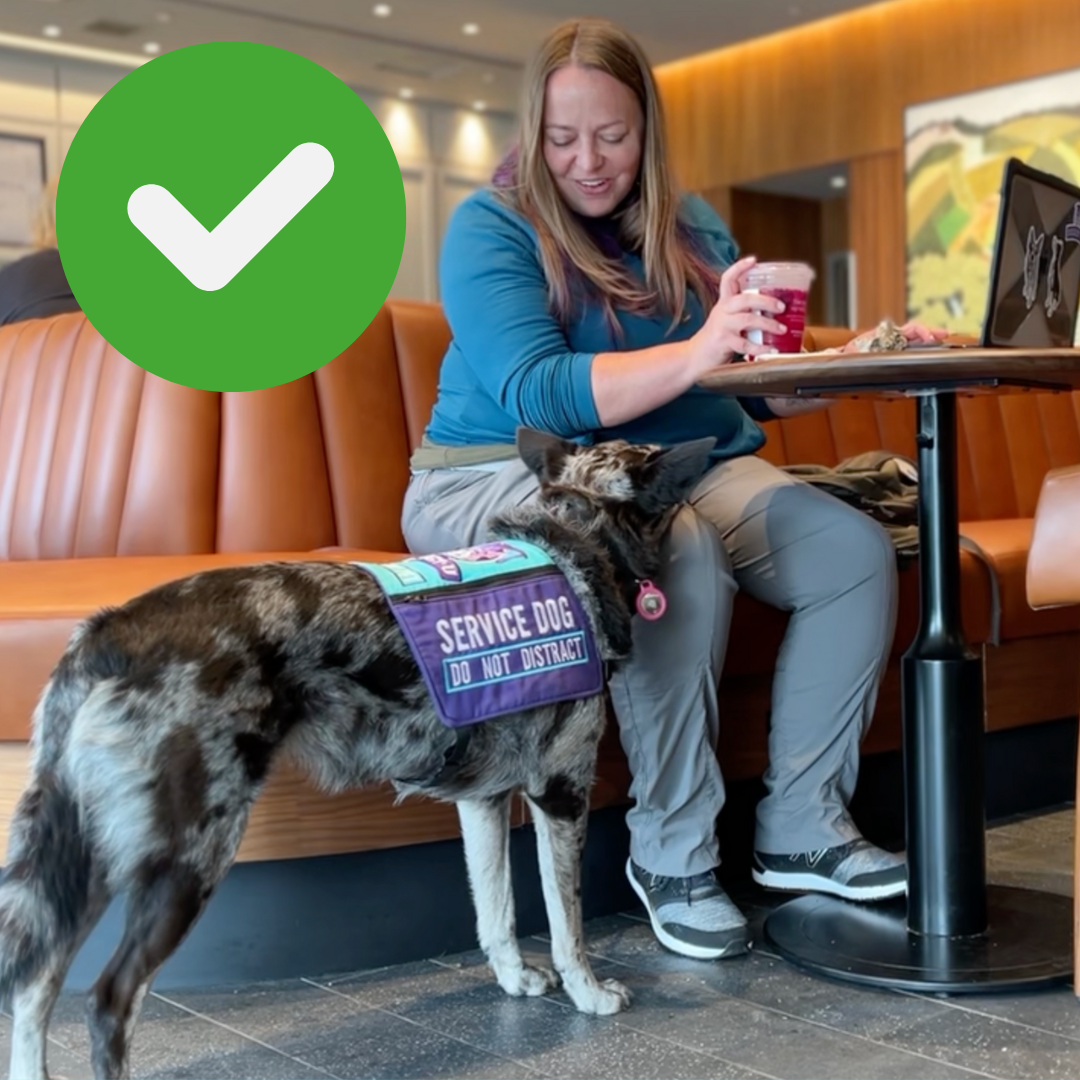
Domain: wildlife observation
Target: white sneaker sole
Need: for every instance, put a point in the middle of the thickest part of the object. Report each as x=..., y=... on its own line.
x=684, y=948
x=815, y=883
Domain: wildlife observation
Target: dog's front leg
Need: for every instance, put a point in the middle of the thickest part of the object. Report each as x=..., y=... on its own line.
x=560, y=816
x=485, y=829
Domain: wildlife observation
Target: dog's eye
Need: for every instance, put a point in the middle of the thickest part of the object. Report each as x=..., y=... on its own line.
x=576, y=507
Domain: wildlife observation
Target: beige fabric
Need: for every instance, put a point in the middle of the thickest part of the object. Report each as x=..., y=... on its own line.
x=1053, y=569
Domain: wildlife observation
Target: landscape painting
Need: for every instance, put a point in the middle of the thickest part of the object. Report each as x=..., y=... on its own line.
x=955, y=153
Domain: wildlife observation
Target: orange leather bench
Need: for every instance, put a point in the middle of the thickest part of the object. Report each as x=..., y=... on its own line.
x=112, y=480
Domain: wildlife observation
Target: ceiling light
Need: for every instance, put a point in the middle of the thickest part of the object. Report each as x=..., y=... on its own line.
x=52, y=30
x=838, y=181
x=381, y=11
x=479, y=106
x=406, y=92
x=488, y=77
x=471, y=28
x=63, y=48
x=151, y=47
x=163, y=17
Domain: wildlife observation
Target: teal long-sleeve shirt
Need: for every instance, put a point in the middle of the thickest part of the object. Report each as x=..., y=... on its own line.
x=511, y=362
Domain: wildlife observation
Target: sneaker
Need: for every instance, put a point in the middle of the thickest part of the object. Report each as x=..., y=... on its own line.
x=691, y=915
x=853, y=871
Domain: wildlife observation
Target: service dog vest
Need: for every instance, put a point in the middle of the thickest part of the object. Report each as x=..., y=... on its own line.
x=494, y=628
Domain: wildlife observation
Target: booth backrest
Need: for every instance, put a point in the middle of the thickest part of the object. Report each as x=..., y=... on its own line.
x=99, y=458
x=321, y=461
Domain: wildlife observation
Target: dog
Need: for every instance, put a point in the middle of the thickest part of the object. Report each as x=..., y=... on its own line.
x=160, y=724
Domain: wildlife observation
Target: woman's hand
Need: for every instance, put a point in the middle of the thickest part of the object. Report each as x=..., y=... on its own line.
x=735, y=312
x=915, y=331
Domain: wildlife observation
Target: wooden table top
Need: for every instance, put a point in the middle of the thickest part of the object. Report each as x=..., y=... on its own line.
x=912, y=370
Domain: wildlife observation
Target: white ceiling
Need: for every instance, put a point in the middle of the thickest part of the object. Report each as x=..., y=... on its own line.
x=421, y=44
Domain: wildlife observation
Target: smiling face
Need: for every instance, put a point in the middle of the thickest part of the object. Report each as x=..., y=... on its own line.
x=593, y=132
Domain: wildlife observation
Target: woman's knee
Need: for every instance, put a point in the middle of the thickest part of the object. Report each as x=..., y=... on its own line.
x=696, y=573
x=862, y=550
x=693, y=548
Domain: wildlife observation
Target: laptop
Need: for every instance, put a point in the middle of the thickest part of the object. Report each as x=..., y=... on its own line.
x=1034, y=294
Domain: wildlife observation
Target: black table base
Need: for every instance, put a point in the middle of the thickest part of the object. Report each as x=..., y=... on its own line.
x=952, y=933
x=1027, y=944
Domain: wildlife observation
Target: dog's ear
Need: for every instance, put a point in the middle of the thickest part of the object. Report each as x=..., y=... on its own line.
x=543, y=453
x=669, y=475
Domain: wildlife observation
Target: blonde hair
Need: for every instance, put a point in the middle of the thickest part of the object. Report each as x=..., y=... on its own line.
x=649, y=224
x=43, y=227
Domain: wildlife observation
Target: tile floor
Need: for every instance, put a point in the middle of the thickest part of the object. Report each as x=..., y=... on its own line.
x=753, y=1017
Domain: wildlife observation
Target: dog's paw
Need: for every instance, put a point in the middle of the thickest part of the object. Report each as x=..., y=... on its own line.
x=528, y=980
x=602, y=998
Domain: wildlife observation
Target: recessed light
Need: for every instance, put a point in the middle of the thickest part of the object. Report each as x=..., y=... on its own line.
x=838, y=181
x=479, y=106
x=471, y=28
x=52, y=30
x=794, y=10
x=151, y=47
x=406, y=92
x=381, y=11
x=163, y=17
x=488, y=77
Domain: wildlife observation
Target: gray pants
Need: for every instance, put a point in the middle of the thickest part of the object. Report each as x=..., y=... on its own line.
x=748, y=526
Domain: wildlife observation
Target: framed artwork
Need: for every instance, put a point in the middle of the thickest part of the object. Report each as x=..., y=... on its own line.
x=22, y=179
x=955, y=151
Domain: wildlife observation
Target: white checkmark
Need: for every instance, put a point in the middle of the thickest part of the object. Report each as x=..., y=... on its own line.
x=210, y=260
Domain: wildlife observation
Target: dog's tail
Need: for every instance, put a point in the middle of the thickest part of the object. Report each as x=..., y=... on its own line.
x=45, y=893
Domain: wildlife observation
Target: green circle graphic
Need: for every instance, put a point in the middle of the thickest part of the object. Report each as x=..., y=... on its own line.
x=271, y=216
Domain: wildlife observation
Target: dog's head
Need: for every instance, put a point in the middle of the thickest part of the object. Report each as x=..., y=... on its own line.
x=617, y=494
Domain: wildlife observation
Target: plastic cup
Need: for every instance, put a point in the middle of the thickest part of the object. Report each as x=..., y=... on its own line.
x=787, y=281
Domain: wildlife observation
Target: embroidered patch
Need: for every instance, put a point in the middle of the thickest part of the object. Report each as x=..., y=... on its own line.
x=495, y=629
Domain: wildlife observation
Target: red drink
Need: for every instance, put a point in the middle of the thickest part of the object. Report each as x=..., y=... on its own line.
x=789, y=282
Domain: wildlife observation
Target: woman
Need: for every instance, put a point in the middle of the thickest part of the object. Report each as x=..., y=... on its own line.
x=586, y=298
x=35, y=285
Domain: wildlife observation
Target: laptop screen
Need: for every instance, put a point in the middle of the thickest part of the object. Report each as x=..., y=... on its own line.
x=1035, y=277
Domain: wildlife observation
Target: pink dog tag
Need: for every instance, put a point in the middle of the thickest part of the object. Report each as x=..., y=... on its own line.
x=651, y=602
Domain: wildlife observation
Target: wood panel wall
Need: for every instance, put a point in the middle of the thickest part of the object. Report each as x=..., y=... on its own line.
x=876, y=235
x=835, y=91
x=780, y=227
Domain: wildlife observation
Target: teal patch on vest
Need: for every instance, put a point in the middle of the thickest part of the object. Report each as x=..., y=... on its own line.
x=424, y=573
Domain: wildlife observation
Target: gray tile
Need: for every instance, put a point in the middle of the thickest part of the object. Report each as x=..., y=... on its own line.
x=1056, y=1011
x=993, y=1046
x=686, y=1010
x=616, y=1050
x=245, y=1063
x=373, y=1043
x=171, y=1042
x=345, y=1036
x=267, y=1012
x=392, y=987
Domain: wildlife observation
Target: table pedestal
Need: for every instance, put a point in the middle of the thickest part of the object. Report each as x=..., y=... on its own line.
x=953, y=933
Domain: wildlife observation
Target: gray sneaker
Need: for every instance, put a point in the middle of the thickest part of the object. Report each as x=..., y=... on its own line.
x=854, y=871
x=692, y=915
